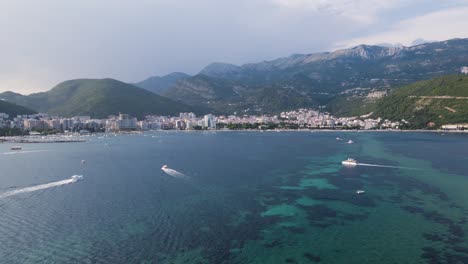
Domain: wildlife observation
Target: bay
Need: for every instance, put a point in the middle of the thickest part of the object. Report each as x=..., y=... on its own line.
x=245, y=197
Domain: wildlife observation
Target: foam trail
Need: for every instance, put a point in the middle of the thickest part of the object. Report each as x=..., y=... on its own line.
x=385, y=166
x=39, y=187
x=174, y=173
x=23, y=152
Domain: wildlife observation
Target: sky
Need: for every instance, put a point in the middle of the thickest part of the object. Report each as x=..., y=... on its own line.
x=43, y=43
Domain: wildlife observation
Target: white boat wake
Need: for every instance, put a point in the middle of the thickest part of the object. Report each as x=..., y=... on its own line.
x=22, y=152
x=39, y=187
x=384, y=166
x=173, y=172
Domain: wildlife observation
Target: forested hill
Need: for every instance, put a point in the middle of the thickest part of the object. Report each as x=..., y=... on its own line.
x=98, y=98
x=442, y=100
x=13, y=109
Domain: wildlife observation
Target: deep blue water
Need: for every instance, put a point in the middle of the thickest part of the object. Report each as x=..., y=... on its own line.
x=247, y=197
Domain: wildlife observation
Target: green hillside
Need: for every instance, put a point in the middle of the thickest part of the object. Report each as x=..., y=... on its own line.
x=98, y=98
x=442, y=100
x=13, y=109
x=225, y=96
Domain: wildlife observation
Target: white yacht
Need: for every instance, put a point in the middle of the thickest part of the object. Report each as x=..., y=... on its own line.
x=349, y=162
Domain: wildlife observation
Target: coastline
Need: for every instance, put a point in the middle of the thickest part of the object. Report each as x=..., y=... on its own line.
x=63, y=138
x=319, y=130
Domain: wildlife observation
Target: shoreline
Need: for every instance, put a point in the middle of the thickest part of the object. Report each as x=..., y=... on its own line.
x=61, y=138
x=315, y=130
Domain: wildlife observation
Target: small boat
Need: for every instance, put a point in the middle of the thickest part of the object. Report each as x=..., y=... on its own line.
x=83, y=162
x=77, y=177
x=349, y=162
x=16, y=148
x=164, y=167
x=350, y=142
x=360, y=191
x=338, y=138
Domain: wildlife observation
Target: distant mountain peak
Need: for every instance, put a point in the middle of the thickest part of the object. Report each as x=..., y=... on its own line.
x=159, y=84
x=220, y=69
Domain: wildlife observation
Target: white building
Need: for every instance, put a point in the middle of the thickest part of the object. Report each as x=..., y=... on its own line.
x=53, y=124
x=81, y=119
x=126, y=122
x=180, y=124
x=66, y=124
x=464, y=70
x=209, y=121
x=34, y=124
x=142, y=125
x=455, y=126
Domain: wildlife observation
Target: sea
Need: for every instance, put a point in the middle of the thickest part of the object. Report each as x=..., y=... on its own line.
x=237, y=197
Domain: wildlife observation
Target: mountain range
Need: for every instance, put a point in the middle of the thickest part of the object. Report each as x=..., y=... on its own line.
x=310, y=80
x=97, y=98
x=344, y=82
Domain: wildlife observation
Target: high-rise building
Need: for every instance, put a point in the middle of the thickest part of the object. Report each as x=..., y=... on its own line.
x=209, y=121
x=53, y=124
x=34, y=124
x=66, y=123
x=179, y=124
x=126, y=122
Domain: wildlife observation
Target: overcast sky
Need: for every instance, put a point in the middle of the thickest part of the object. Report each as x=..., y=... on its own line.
x=43, y=43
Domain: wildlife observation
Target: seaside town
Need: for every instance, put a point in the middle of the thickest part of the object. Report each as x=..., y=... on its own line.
x=38, y=124
x=298, y=119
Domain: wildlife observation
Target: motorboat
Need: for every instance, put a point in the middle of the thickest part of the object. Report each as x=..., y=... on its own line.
x=164, y=167
x=350, y=142
x=349, y=162
x=16, y=148
x=360, y=191
x=77, y=177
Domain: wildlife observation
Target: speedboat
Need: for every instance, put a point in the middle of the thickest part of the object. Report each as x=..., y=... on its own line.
x=16, y=148
x=349, y=162
x=77, y=177
x=360, y=191
x=164, y=167
x=350, y=141
x=338, y=138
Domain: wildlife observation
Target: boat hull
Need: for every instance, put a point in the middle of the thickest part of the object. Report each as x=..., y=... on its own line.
x=347, y=163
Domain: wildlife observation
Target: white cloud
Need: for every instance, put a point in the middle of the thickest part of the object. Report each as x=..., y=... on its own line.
x=440, y=25
x=45, y=42
x=363, y=11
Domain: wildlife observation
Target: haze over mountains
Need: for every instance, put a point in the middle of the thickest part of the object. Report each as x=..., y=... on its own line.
x=341, y=81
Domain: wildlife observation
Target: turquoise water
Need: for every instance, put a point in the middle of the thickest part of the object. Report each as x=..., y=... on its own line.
x=244, y=197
